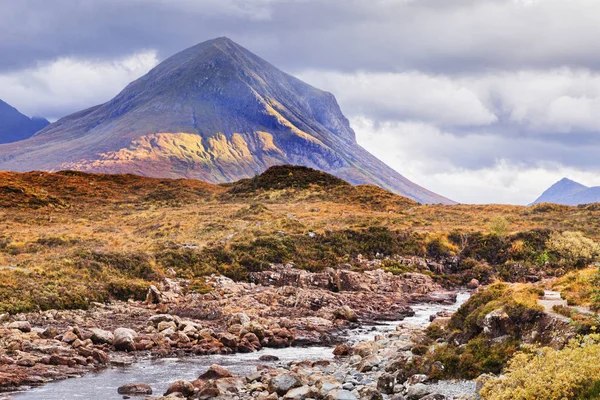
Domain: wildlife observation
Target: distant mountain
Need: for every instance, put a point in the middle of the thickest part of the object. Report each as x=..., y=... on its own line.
x=214, y=112
x=15, y=126
x=570, y=193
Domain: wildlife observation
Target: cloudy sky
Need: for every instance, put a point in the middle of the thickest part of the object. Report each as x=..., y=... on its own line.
x=478, y=100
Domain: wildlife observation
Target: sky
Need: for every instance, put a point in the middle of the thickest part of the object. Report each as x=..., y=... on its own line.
x=482, y=101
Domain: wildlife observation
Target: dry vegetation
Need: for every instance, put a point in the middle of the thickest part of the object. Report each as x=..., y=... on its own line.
x=70, y=238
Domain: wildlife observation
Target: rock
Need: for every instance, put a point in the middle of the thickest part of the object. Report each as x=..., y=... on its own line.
x=69, y=337
x=215, y=371
x=473, y=284
x=4, y=317
x=435, y=396
x=300, y=393
x=154, y=296
x=158, y=318
x=370, y=393
x=268, y=358
x=327, y=385
x=386, y=383
x=230, y=385
x=124, y=339
x=369, y=363
x=363, y=349
x=342, y=350
x=281, y=384
x=417, y=378
x=229, y=340
x=184, y=387
x=164, y=325
x=497, y=323
x=340, y=394
x=415, y=392
x=345, y=313
x=207, y=391
x=23, y=326
x=135, y=389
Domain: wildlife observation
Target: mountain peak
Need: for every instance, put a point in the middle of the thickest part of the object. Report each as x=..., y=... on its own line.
x=215, y=112
x=15, y=126
x=565, y=191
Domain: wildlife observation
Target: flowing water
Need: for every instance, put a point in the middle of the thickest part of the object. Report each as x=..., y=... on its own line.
x=160, y=373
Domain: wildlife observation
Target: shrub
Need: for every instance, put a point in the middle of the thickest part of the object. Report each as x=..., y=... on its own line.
x=499, y=226
x=573, y=247
x=546, y=373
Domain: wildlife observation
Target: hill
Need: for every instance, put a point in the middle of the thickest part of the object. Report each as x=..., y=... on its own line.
x=570, y=193
x=214, y=112
x=15, y=126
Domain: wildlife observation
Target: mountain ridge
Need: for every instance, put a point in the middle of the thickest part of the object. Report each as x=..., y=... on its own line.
x=15, y=126
x=214, y=112
x=569, y=192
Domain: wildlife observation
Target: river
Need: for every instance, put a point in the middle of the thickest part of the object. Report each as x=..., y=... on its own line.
x=160, y=373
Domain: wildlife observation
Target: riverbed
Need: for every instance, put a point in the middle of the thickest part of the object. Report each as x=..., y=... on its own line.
x=159, y=373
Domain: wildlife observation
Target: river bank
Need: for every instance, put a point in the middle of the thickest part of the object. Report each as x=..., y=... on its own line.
x=284, y=307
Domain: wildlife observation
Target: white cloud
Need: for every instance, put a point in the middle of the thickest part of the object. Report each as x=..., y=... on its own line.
x=50, y=89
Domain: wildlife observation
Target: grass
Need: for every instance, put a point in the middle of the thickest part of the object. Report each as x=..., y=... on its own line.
x=69, y=238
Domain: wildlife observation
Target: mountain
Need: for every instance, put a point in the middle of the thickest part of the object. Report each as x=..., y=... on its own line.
x=214, y=112
x=570, y=193
x=15, y=126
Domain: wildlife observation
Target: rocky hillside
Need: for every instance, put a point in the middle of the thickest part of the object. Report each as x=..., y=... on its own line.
x=214, y=112
x=15, y=126
x=570, y=193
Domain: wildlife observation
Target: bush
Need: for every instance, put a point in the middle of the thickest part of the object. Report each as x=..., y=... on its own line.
x=573, y=247
x=546, y=373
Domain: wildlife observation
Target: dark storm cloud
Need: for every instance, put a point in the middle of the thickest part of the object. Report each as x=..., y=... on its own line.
x=431, y=35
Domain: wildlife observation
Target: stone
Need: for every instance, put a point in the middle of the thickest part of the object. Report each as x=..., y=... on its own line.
x=184, y=387
x=164, y=325
x=154, y=296
x=345, y=313
x=124, y=339
x=417, y=378
x=281, y=384
x=497, y=323
x=340, y=394
x=370, y=393
x=473, y=284
x=69, y=337
x=327, y=385
x=369, y=363
x=417, y=391
x=434, y=396
x=342, y=350
x=23, y=326
x=230, y=385
x=386, y=383
x=268, y=358
x=300, y=393
x=158, y=318
x=215, y=371
x=135, y=389
x=207, y=391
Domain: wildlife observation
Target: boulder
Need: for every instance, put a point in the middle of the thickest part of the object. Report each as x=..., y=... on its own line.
x=345, y=313
x=23, y=326
x=386, y=383
x=434, y=396
x=184, y=387
x=281, y=384
x=368, y=363
x=124, y=339
x=215, y=371
x=417, y=391
x=230, y=386
x=473, y=284
x=100, y=336
x=158, y=318
x=154, y=296
x=342, y=350
x=207, y=391
x=497, y=323
x=268, y=358
x=135, y=389
x=300, y=393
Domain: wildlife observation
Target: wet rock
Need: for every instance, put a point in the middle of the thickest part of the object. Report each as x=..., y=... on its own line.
x=184, y=387
x=135, y=389
x=229, y=340
x=124, y=339
x=281, y=384
x=207, y=391
x=215, y=371
x=23, y=326
x=268, y=358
